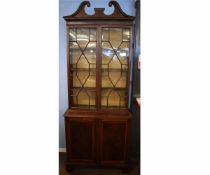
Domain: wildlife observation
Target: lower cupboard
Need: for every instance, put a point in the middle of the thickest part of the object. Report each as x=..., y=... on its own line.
x=97, y=138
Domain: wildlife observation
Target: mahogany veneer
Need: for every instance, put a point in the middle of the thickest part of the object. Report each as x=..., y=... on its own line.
x=97, y=123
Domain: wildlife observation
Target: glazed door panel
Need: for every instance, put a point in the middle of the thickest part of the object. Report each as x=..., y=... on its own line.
x=113, y=141
x=82, y=67
x=81, y=133
x=115, y=50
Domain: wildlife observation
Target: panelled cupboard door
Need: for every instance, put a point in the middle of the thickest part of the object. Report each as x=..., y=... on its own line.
x=113, y=141
x=80, y=134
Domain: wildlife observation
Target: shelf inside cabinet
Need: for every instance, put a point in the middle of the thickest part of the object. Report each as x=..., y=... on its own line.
x=84, y=107
x=113, y=70
x=114, y=88
x=86, y=88
x=83, y=69
x=113, y=107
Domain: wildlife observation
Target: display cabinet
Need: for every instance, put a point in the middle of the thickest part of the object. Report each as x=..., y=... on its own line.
x=99, y=52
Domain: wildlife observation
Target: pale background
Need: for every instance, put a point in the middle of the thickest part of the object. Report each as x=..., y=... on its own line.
x=175, y=87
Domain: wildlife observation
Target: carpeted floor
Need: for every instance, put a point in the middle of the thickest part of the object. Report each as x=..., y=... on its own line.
x=135, y=169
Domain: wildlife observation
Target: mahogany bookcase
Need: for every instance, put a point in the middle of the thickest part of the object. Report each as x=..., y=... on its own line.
x=98, y=120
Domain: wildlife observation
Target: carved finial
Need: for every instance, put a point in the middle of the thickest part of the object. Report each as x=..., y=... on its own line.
x=80, y=11
x=113, y=3
x=86, y=3
x=117, y=8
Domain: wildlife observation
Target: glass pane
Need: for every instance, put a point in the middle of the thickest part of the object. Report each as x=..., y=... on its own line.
x=123, y=98
x=92, y=96
x=76, y=80
x=92, y=34
x=91, y=82
x=82, y=37
x=125, y=66
x=107, y=52
x=126, y=34
x=119, y=79
x=115, y=57
x=84, y=78
x=105, y=34
x=105, y=66
x=75, y=52
x=92, y=65
x=84, y=97
x=115, y=63
x=83, y=67
x=72, y=34
x=90, y=52
x=79, y=78
x=106, y=81
x=114, y=79
x=74, y=93
x=123, y=52
x=104, y=97
x=82, y=63
x=113, y=98
x=115, y=37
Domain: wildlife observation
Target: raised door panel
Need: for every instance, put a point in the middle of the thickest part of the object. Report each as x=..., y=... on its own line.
x=113, y=142
x=81, y=133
